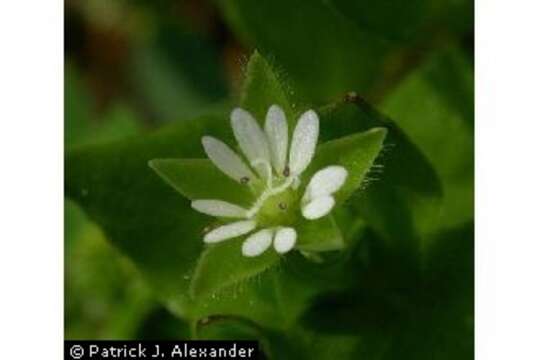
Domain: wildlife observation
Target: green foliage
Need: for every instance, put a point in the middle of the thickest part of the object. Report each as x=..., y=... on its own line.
x=140, y=214
x=200, y=179
x=83, y=124
x=400, y=207
x=104, y=295
x=263, y=88
x=355, y=152
x=388, y=275
x=174, y=71
x=442, y=88
x=320, y=235
x=327, y=48
x=223, y=265
x=166, y=88
x=310, y=42
x=103, y=289
x=410, y=21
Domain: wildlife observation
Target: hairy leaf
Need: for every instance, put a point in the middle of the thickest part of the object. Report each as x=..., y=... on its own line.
x=434, y=107
x=200, y=179
x=223, y=264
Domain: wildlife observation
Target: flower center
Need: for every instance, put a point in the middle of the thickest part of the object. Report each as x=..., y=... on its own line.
x=277, y=200
x=280, y=209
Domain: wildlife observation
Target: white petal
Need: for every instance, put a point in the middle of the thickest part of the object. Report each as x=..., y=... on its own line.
x=218, y=208
x=318, y=207
x=251, y=139
x=284, y=240
x=257, y=243
x=229, y=231
x=303, y=142
x=325, y=182
x=276, y=131
x=225, y=159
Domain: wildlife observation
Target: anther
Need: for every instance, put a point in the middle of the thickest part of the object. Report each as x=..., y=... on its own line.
x=286, y=171
x=352, y=97
x=207, y=229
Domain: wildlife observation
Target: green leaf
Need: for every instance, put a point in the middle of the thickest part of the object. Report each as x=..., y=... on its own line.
x=262, y=88
x=435, y=108
x=403, y=311
x=200, y=179
x=327, y=48
x=320, y=53
x=408, y=21
x=139, y=213
x=79, y=107
x=400, y=207
x=171, y=84
x=355, y=152
x=84, y=124
x=223, y=264
x=319, y=235
x=98, y=275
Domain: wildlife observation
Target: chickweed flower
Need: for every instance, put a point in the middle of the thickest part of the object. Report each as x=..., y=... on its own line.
x=273, y=171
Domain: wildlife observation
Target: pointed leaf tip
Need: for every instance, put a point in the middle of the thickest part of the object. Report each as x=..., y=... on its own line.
x=356, y=153
x=264, y=88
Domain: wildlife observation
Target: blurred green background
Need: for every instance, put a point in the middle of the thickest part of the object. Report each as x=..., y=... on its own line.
x=134, y=66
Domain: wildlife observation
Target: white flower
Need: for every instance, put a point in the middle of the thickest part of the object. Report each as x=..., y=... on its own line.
x=273, y=177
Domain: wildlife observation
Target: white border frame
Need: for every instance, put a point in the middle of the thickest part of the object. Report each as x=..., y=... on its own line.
x=507, y=185
x=31, y=189
x=507, y=180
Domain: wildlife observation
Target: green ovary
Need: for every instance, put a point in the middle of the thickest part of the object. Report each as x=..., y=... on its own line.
x=279, y=210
